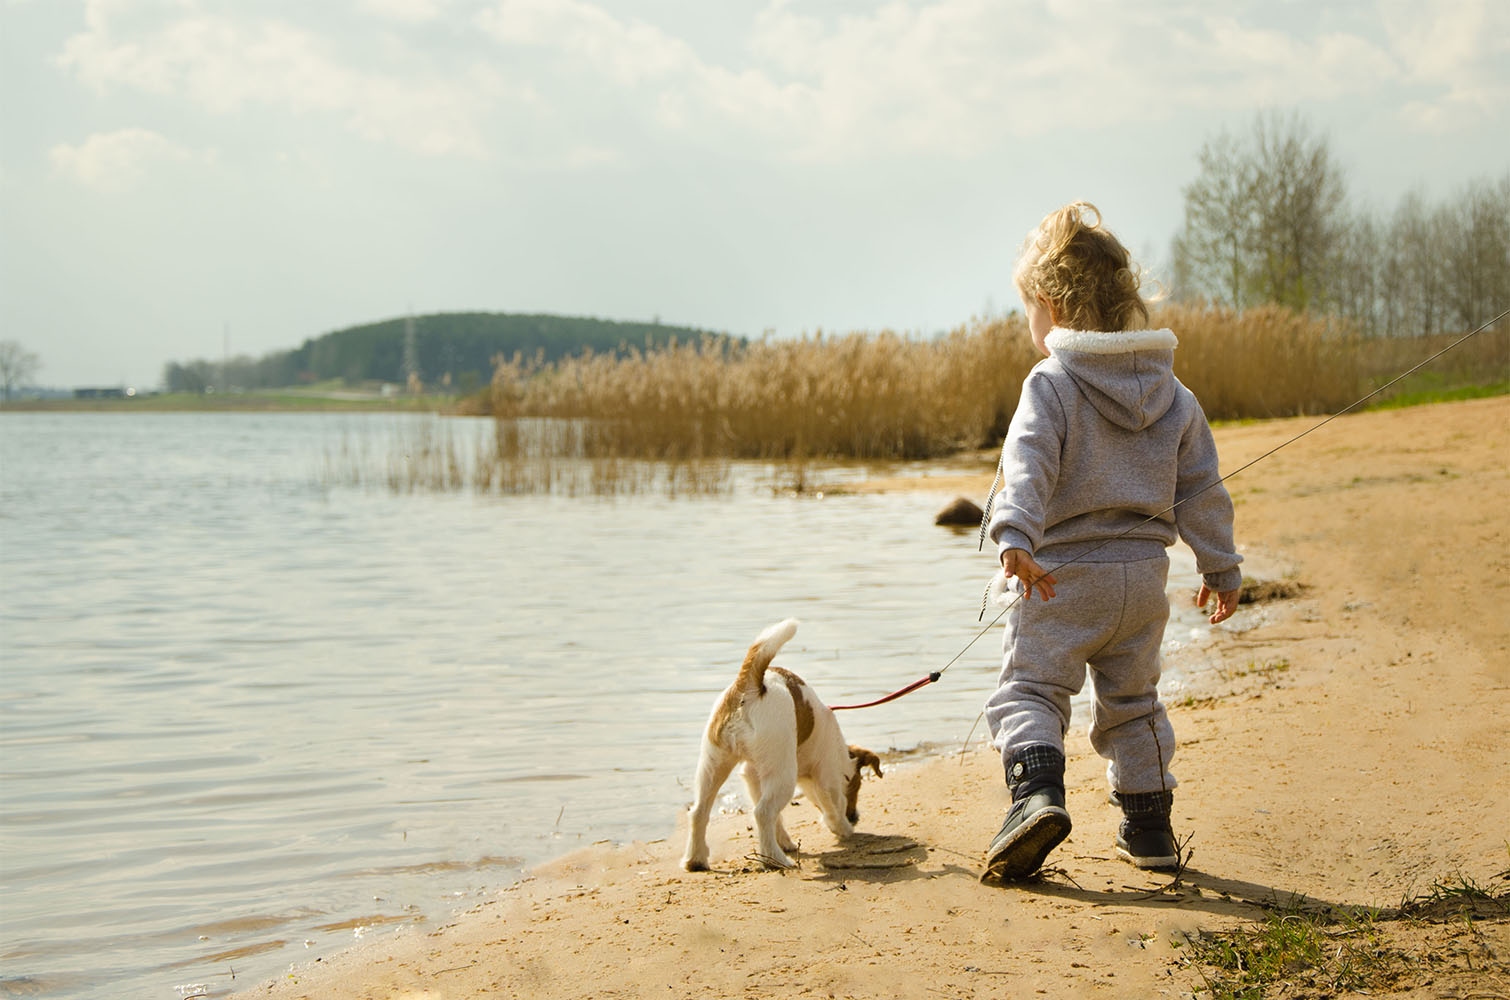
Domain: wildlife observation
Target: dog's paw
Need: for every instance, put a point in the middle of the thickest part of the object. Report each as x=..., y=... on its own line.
x=779, y=863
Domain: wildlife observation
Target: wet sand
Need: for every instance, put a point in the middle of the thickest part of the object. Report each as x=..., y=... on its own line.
x=1346, y=748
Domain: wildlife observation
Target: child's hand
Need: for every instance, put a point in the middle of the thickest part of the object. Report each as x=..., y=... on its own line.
x=1226, y=602
x=1016, y=562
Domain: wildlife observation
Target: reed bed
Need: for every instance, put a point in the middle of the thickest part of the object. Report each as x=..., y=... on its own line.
x=420, y=456
x=1265, y=362
x=673, y=419
x=1274, y=362
x=881, y=396
x=1480, y=365
x=886, y=396
x=524, y=456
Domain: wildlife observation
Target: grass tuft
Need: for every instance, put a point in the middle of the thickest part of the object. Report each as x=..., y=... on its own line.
x=1319, y=953
x=1326, y=951
x=1459, y=897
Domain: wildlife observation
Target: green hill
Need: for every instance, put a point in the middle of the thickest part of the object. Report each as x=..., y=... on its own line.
x=458, y=345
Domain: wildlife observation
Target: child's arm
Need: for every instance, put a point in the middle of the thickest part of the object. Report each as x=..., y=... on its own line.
x=1030, y=469
x=1203, y=517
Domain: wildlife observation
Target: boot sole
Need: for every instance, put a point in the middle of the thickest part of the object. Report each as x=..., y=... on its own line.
x=1162, y=864
x=1030, y=843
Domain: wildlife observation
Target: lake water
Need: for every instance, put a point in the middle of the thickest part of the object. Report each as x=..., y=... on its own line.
x=249, y=715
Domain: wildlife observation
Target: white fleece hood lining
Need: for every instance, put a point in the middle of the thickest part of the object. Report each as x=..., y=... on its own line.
x=1093, y=342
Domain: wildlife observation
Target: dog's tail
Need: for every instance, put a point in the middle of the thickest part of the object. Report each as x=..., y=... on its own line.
x=760, y=654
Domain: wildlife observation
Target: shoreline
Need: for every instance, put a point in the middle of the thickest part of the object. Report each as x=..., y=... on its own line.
x=1345, y=750
x=291, y=402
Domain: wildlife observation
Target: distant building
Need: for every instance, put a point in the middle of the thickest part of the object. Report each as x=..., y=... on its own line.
x=100, y=393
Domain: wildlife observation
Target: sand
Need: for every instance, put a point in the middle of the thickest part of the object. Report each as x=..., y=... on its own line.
x=1347, y=748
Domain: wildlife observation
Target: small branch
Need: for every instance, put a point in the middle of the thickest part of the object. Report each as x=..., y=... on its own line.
x=1185, y=854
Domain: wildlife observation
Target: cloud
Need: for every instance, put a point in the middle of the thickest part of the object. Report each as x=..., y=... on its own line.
x=407, y=11
x=115, y=161
x=626, y=52
x=225, y=64
x=948, y=76
x=1456, y=56
x=790, y=81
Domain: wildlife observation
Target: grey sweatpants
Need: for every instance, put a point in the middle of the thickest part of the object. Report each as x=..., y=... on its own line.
x=1109, y=617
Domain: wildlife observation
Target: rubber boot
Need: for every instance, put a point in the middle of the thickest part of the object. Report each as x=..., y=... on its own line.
x=1146, y=838
x=1037, y=822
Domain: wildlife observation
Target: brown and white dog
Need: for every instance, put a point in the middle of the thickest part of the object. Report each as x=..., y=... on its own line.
x=774, y=724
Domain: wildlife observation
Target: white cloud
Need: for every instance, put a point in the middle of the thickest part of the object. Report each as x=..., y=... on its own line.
x=1458, y=54
x=939, y=77
x=949, y=76
x=224, y=64
x=406, y=11
x=627, y=52
x=115, y=161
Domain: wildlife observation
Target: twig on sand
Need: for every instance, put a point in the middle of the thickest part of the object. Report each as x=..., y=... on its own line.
x=965, y=746
x=857, y=937
x=771, y=863
x=1044, y=873
x=1185, y=853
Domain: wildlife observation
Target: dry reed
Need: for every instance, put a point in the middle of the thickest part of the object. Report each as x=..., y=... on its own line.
x=851, y=396
x=886, y=396
x=672, y=419
x=1265, y=362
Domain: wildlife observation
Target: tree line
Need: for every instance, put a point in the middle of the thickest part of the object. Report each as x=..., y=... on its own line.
x=18, y=366
x=1268, y=220
x=442, y=351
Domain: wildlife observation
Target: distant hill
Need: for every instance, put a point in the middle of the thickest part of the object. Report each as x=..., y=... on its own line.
x=461, y=345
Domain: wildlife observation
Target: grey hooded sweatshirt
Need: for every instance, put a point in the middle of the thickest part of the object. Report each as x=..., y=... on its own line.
x=1105, y=438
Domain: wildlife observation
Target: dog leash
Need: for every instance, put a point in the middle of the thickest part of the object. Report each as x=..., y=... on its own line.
x=932, y=678
x=935, y=676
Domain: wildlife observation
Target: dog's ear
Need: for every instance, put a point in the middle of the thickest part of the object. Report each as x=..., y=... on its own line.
x=866, y=759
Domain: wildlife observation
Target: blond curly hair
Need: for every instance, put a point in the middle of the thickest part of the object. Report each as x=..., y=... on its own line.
x=1082, y=271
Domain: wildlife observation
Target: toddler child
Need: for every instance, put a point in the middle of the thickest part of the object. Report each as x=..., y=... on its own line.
x=1104, y=442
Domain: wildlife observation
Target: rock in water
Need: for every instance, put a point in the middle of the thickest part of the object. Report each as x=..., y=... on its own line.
x=959, y=511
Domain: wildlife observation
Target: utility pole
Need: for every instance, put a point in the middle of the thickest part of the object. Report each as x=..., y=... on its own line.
x=412, y=381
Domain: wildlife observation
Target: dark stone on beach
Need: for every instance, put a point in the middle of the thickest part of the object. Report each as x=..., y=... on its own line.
x=959, y=511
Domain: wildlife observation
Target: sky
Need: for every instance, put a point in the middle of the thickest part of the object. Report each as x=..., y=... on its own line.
x=187, y=179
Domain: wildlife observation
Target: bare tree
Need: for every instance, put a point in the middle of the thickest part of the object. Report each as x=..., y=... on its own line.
x=1264, y=218
x=1300, y=203
x=1427, y=268
x=1358, y=279
x=1212, y=250
x=1267, y=221
x=1476, y=277
x=1418, y=237
x=18, y=366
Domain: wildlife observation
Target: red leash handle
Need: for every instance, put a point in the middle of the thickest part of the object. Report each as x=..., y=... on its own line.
x=924, y=682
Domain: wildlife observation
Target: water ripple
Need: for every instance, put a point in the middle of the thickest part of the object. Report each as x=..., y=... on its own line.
x=237, y=709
